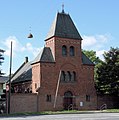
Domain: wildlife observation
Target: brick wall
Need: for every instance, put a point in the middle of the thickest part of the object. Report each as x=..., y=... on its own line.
x=84, y=84
x=110, y=100
x=21, y=103
x=36, y=77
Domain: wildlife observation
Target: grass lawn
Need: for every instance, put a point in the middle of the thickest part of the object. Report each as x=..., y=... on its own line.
x=63, y=112
x=80, y=112
x=112, y=110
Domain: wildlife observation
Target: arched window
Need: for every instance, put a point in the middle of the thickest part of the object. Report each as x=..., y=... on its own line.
x=64, y=50
x=68, y=76
x=72, y=51
x=62, y=76
x=74, y=76
x=68, y=94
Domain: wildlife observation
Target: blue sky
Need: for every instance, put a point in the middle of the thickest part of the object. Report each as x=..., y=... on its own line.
x=96, y=20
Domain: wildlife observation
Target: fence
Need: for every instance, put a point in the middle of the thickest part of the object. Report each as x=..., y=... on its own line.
x=21, y=103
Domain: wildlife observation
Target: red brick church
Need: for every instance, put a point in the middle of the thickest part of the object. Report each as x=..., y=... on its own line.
x=61, y=74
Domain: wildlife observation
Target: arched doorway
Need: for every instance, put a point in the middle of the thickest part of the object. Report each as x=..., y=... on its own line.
x=68, y=99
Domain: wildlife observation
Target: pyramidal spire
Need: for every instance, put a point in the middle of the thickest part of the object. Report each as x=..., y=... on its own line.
x=63, y=27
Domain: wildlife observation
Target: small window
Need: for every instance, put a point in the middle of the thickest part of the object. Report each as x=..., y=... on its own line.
x=74, y=76
x=48, y=99
x=72, y=51
x=62, y=76
x=64, y=50
x=88, y=98
x=68, y=76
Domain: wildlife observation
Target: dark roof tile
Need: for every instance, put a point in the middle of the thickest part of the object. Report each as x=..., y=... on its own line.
x=23, y=74
x=45, y=55
x=24, y=77
x=64, y=27
x=86, y=60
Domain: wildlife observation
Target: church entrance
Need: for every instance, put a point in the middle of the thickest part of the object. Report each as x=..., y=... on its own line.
x=68, y=100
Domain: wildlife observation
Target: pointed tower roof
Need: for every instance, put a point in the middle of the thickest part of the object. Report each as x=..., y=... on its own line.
x=64, y=27
x=45, y=55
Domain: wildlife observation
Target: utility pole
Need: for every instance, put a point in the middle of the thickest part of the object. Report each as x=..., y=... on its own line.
x=9, y=95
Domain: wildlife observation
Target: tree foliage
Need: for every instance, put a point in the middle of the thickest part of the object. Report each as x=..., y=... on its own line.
x=1, y=60
x=108, y=73
x=92, y=56
x=96, y=60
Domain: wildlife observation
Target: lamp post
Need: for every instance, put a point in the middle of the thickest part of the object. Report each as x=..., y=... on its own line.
x=9, y=94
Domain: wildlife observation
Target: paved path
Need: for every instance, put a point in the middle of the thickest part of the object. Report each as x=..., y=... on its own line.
x=89, y=116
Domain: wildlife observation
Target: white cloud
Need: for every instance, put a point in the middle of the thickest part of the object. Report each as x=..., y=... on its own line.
x=96, y=43
x=19, y=51
x=88, y=41
x=32, y=49
x=29, y=47
x=102, y=38
x=18, y=48
x=36, y=51
x=99, y=53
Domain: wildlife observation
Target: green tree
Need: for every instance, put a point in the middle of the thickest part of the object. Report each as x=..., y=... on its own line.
x=92, y=56
x=1, y=60
x=96, y=60
x=108, y=73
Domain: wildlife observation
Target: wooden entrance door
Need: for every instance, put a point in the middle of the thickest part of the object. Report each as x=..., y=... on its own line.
x=68, y=100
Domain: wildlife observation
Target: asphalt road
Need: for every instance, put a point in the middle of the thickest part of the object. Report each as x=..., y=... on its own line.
x=89, y=116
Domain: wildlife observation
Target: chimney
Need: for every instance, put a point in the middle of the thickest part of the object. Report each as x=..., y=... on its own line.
x=26, y=59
